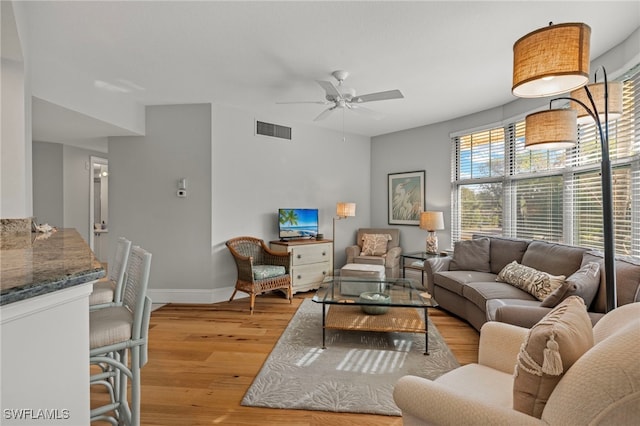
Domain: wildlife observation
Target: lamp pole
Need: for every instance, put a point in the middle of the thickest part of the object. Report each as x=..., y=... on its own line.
x=607, y=193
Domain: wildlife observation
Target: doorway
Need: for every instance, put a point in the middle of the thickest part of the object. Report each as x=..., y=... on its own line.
x=99, y=207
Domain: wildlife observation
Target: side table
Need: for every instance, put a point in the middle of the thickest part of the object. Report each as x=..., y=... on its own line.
x=416, y=256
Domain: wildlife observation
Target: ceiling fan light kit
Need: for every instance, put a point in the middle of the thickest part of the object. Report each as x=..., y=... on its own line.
x=343, y=97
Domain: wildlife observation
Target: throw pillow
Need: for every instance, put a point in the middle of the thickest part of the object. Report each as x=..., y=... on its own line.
x=584, y=283
x=550, y=348
x=375, y=244
x=471, y=255
x=537, y=283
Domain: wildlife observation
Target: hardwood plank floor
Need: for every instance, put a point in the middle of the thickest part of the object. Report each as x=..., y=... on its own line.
x=203, y=358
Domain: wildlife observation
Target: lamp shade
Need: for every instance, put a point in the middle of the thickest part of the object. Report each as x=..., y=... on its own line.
x=551, y=129
x=614, y=92
x=346, y=209
x=551, y=60
x=432, y=221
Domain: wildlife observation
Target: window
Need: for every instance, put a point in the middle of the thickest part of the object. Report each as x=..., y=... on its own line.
x=501, y=188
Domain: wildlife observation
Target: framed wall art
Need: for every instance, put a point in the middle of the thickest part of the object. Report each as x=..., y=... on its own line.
x=406, y=197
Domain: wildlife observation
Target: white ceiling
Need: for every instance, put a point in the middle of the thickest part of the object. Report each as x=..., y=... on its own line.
x=448, y=58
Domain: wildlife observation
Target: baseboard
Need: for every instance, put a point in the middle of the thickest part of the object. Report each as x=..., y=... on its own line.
x=214, y=295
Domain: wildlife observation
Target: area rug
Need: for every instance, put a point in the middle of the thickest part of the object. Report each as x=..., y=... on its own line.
x=356, y=373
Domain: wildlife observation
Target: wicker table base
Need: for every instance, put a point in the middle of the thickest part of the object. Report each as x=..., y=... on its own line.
x=397, y=319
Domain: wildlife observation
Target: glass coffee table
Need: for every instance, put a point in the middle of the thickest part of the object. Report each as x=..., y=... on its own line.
x=390, y=305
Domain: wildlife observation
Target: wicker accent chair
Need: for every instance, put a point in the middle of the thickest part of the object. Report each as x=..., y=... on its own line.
x=259, y=268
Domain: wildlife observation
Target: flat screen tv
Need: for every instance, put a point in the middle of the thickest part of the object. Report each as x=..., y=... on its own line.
x=297, y=223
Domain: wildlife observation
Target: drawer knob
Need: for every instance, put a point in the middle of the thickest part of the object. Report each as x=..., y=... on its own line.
x=324, y=253
x=299, y=276
x=299, y=256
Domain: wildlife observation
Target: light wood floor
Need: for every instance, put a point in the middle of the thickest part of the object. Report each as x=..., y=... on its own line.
x=203, y=358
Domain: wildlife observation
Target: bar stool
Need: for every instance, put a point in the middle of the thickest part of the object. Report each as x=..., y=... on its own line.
x=117, y=332
x=109, y=289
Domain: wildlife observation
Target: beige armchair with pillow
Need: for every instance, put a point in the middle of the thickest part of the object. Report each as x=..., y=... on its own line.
x=377, y=246
x=561, y=372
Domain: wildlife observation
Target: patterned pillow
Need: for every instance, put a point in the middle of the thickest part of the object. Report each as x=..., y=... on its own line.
x=375, y=244
x=551, y=347
x=537, y=283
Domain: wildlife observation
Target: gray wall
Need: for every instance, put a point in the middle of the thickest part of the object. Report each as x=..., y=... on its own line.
x=143, y=172
x=61, y=185
x=48, y=193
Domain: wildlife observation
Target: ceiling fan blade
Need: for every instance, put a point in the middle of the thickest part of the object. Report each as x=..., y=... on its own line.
x=366, y=112
x=329, y=88
x=379, y=96
x=304, y=102
x=324, y=114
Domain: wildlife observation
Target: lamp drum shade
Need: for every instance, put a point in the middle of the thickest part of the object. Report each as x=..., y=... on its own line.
x=431, y=221
x=614, y=91
x=551, y=129
x=551, y=60
x=346, y=209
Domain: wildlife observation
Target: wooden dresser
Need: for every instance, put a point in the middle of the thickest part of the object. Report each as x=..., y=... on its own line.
x=311, y=261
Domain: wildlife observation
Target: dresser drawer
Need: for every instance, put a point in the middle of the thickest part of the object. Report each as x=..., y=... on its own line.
x=315, y=253
x=312, y=273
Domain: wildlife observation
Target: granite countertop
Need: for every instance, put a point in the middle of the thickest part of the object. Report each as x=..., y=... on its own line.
x=33, y=264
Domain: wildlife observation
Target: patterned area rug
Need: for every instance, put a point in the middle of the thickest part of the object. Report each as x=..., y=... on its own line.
x=355, y=374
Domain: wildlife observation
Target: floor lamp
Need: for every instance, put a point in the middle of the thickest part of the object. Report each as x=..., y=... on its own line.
x=343, y=211
x=552, y=61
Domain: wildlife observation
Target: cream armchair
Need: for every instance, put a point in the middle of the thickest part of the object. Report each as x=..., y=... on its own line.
x=602, y=387
x=390, y=259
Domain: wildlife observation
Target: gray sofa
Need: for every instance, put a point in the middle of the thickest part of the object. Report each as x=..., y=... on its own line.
x=465, y=284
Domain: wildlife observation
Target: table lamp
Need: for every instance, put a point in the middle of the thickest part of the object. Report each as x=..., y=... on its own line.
x=432, y=222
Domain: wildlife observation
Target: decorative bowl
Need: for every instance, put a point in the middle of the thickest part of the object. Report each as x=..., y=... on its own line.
x=377, y=298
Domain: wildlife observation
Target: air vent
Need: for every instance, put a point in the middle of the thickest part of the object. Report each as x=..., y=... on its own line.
x=273, y=130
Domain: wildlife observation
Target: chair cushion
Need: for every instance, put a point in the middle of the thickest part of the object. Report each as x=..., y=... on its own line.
x=108, y=326
x=584, y=283
x=103, y=292
x=537, y=283
x=375, y=244
x=369, y=260
x=471, y=255
x=551, y=347
x=262, y=272
x=481, y=382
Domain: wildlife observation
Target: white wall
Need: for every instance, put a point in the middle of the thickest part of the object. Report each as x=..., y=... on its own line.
x=253, y=176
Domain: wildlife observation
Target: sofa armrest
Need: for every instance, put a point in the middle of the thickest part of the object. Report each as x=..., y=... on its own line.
x=522, y=316
x=433, y=265
x=423, y=401
x=392, y=259
x=499, y=345
x=352, y=252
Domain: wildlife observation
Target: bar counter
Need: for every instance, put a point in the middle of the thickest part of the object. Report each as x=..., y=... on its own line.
x=32, y=264
x=46, y=280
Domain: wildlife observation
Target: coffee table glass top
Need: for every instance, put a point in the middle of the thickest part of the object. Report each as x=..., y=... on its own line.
x=402, y=292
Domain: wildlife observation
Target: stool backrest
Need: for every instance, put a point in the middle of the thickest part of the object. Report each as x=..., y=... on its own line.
x=135, y=289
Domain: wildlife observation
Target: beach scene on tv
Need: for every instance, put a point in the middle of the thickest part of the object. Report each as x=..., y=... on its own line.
x=298, y=223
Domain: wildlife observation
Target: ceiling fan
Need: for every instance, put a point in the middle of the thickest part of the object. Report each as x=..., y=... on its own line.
x=343, y=97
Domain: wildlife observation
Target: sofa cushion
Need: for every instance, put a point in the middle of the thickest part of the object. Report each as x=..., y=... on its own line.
x=262, y=272
x=627, y=280
x=551, y=347
x=584, y=283
x=454, y=281
x=479, y=292
x=504, y=251
x=556, y=259
x=471, y=255
x=537, y=283
x=375, y=244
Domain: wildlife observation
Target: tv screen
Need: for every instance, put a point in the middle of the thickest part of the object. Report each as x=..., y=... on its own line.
x=297, y=223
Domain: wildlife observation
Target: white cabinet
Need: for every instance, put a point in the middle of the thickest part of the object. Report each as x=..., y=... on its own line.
x=311, y=261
